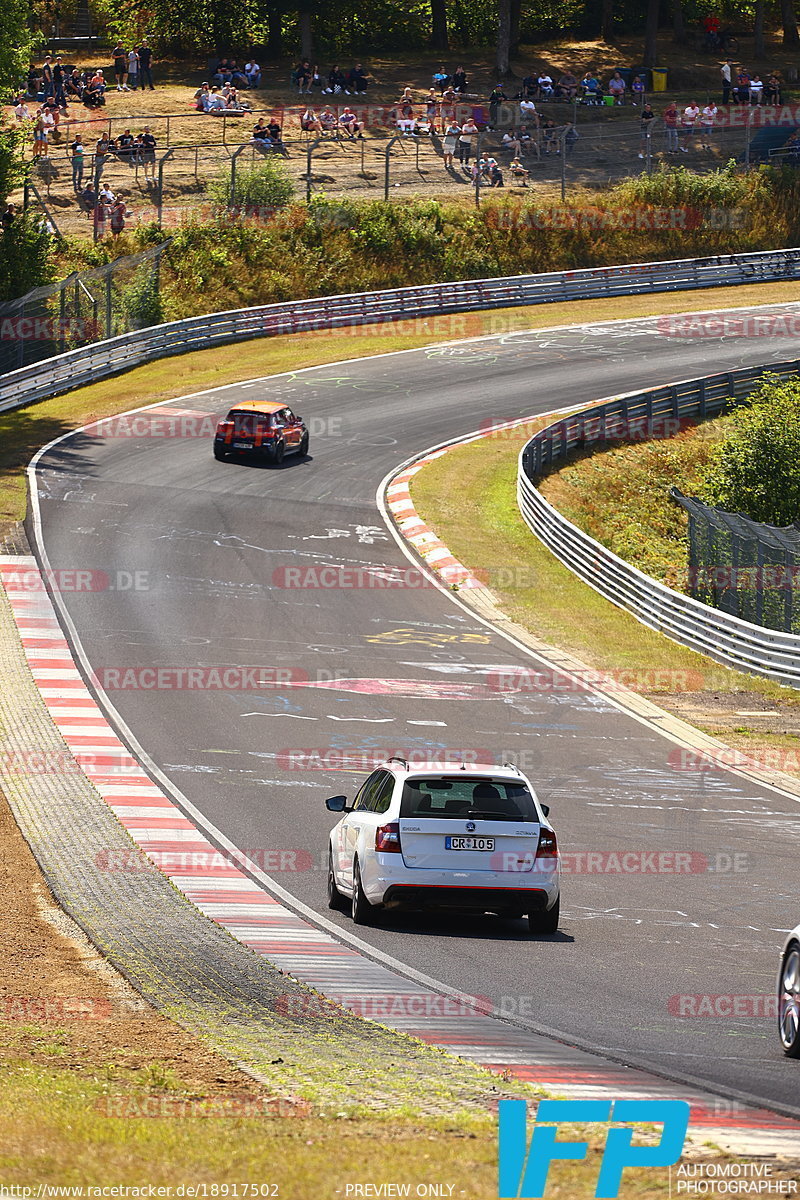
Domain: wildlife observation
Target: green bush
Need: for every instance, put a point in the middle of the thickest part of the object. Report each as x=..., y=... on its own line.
x=265, y=186
x=755, y=469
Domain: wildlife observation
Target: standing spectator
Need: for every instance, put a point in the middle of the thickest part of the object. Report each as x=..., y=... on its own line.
x=688, y=122
x=76, y=153
x=39, y=135
x=58, y=84
x=497, y=97
x=459, y=81
x=616, y=88
x=451, y=134
x=125, y=144
x=468, y=130
x=47, y=77
x=707, y=119
x=101, y=152
x=756, y=89
x=133, y=68
x=145, y=65
x=432, y=109
x=638, y=90
x=120, y=67
x=87, y=200
x=549, y=138
x=670, y=117
x=9, y=216
x=726, y=81
x=646, y=121
x=711, y=27
x=252, y=72
x=148, y=152
x=571, y=136
x=118, y=214
x=100, y=215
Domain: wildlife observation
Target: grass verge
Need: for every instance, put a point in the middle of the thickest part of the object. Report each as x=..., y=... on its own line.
x=468, y=497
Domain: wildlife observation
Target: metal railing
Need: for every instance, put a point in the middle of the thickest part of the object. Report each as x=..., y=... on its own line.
x=90, y=363
x=727, y=639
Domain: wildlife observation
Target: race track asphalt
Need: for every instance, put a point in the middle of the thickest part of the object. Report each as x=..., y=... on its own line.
x=214, y=541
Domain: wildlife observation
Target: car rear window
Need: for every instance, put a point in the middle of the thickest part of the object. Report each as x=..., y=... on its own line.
x=245, y=422
x=461, y=796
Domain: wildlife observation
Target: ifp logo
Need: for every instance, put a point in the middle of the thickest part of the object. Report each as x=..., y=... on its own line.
x=523, y=1169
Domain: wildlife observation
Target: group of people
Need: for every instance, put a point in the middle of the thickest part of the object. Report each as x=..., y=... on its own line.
x=133, y=68
x=218, y=100
x=353, y=82
x=268, y=137
x=105, y=208
x=228, y=71
x=329, y=122
x=740, y=87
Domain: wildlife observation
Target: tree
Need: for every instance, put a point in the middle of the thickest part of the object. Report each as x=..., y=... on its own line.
x=791, y=37
x=439, y=38
x=754, y=469
x=16, y=45
x=759, y=47
x=607, y=20
x=651, y=33
x=678, y=24
x=502, y=62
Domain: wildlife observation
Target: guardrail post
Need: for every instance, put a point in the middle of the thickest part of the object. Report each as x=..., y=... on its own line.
x=109, y=282
x=232, y=192
x=162, y=160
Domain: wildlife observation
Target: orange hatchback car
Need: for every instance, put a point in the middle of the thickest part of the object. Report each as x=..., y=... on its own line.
x=261, y=429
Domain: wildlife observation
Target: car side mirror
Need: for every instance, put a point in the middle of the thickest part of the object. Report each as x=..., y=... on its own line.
x=545, y=809
x=337, y=804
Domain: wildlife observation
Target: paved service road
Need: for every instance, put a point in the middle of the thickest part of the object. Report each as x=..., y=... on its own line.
x=215, y=540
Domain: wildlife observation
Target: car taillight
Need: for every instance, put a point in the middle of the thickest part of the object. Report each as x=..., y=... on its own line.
x=387, y=838
x=548, y=846
x=225, y=428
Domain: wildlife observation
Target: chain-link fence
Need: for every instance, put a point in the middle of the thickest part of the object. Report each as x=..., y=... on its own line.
x=121, y=296
x=742, y=567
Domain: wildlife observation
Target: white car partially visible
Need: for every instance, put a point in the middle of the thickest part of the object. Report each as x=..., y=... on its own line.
x=789, y=995
x=471, y=838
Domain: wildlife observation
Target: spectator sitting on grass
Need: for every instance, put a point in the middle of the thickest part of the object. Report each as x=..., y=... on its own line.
x=223, y=72
x=262, y=138
x=233, y=100
x=214, y=103
x=238, y=77
x=518, y=172
x=617, y=87
x=550, y=136
x=336, y=82
x=357, y=80
x=528, y=88
x=21, y=111
x=756, y=89
x=303, y=76
x=772, y=89
x=527, y=112
x=495, y=174
x=200, y=97
x=567, y=86
x=459, y=81
x=253, y=73
x=350, y=123
x=511, y=142
x=75, y=86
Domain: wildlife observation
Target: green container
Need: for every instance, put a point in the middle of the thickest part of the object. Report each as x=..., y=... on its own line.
x=608, y=100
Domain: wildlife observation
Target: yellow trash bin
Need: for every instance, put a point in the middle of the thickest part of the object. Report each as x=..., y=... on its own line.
x=659, y=76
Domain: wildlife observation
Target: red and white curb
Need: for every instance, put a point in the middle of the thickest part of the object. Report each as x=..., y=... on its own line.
x=225, y=893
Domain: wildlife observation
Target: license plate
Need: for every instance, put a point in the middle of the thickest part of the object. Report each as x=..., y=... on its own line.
x=469, y=843
x=241, y=445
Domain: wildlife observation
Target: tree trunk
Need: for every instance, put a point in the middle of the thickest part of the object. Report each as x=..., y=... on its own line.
x=789, y=21
x=678, y=26
x=607, y=21
x=503, y=38
x=274, y=32
x=759, y=47
x=306, y=34
x=516, y=16
x=439, y=39
x=651, y=34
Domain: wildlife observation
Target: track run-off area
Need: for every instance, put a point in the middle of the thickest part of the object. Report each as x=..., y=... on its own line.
x=212, y=565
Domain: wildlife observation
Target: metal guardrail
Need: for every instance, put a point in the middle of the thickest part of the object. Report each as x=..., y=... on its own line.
x=728, y=639
x=88, y=364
